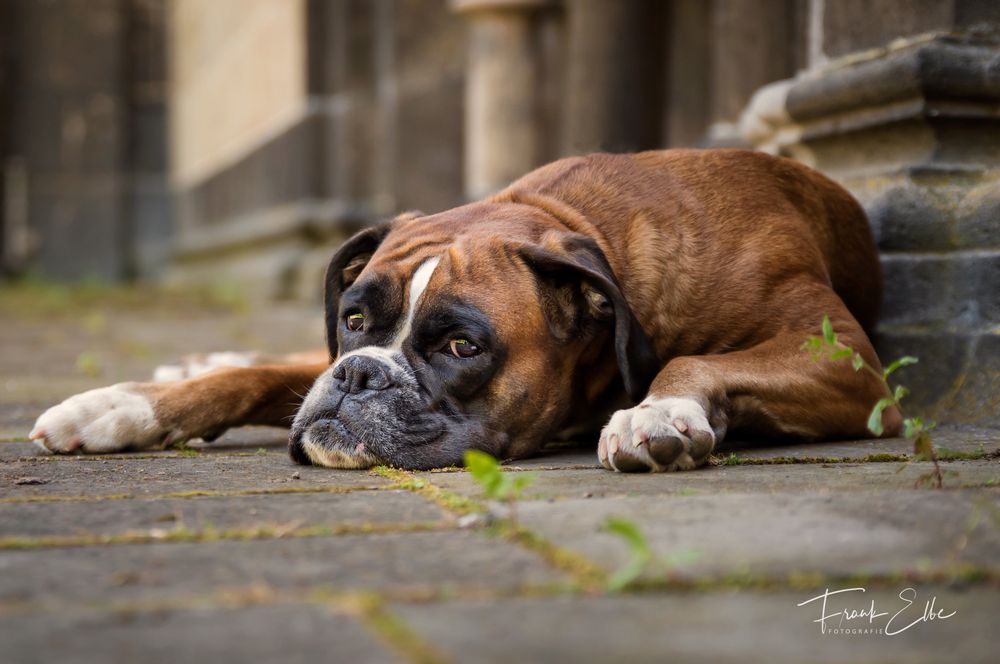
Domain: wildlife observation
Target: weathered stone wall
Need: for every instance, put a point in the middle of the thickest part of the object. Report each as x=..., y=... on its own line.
x=82, y=159
x=903, y=111
x=296, y=122
x=236, y=79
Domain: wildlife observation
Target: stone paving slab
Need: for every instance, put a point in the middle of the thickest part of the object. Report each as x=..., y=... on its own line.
x=251, y=440
x=972, y=440
x=86, y=476
x=783, y=478
x=195, y=600
x=964, y=439
x=390, y=562
x=40, y=363
x=288, y=634
x=198, y=514
x=16, y=418
x=559, y=458
x=710, y=627
x=871, y=532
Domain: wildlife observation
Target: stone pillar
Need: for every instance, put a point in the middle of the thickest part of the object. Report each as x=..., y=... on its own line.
x=501, y=92
x=753, y=42
x=688, y=108
x=82, y=145
x=147, y=206
x=266, y=160
x=65, y=170
x=614, y=75
x=295, y=122
x=900, y=105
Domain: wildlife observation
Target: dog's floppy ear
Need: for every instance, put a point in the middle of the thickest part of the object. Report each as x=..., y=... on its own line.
x=344, y=268
x=580, y=283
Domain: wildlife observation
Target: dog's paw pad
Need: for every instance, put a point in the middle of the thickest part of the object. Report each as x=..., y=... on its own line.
x=658, y=435
x=108, y=419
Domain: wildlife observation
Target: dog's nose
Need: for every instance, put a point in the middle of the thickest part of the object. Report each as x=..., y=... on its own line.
x=358, y=373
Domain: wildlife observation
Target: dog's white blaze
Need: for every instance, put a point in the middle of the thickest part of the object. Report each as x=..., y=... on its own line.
x=418, y=284
x=388, y=355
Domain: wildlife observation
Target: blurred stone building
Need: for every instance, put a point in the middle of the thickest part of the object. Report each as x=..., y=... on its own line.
x=83, y=189
x=241, y=139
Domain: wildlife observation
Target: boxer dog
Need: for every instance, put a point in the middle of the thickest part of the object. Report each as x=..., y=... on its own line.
x=660, y=299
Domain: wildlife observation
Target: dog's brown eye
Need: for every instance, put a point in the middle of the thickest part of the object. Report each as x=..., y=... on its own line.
x=355, y=322
x=463, y=348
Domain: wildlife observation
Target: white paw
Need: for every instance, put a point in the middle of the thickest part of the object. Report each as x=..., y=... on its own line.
x=202, y=363
x=672, y=433
x=108, y=419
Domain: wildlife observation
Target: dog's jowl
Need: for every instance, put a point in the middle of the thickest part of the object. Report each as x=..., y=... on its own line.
x=650, y=303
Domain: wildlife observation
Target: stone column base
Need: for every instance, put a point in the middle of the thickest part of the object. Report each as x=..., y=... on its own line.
x=913, y=130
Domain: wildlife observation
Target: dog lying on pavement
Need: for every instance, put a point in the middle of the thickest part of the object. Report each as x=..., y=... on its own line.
x=658, y=298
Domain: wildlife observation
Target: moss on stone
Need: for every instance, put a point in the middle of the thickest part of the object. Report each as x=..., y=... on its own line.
x=587, y=575
x=371, y=609
x=453, y=502
x=194, y=493
x=209, y=534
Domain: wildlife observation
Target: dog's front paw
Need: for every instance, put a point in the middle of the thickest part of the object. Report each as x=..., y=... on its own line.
x=671, y=433
x=107, y=419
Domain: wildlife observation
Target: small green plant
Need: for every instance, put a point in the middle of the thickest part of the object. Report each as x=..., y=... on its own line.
x=641, y=557
x=496, y=484
x=640, y=553
x=89, y=364
x=829, y=346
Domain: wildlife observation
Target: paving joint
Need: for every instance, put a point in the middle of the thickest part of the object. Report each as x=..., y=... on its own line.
x=258, y=532
x=944, y=456
x=190, y=453
x=262, y=594
x=195, y=493
x=584, y=572
x=372, y=611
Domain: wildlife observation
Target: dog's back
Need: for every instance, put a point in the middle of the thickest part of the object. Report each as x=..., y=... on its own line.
x=750, y=202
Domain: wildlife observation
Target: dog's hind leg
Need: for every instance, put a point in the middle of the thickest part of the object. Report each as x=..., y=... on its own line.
x=197, y=364
x=144, y=415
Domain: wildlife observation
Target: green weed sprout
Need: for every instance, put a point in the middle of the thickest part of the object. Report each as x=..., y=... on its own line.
x=828, y=346
x=89, y=364
x=641, y=557
x=640, y=553
x=496, y=484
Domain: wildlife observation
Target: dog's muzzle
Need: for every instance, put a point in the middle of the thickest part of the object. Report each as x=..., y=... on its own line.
x=358, y=411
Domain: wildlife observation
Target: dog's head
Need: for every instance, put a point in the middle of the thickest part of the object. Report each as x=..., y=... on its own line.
x=489, y=326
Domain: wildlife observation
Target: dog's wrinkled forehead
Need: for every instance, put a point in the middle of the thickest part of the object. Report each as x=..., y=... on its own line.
x=476, y=272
